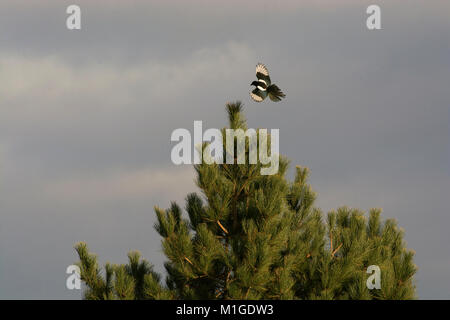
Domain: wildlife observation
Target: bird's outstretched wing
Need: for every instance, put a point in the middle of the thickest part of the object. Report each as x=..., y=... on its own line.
x=262, y=73
x=258, y=95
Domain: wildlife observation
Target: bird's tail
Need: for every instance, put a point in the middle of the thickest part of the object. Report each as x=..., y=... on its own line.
x=275, y=94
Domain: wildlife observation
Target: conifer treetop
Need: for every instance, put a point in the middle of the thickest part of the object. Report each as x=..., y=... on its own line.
x=253, y=236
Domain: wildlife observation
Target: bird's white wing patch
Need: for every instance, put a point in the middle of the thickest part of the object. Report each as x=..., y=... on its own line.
x=262, y=69
x=255, y=97
x=263, y=81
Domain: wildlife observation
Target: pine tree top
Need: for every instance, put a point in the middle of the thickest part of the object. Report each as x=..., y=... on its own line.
x=253, y=236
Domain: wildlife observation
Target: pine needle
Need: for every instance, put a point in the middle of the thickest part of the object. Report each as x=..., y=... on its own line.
x=334, y=252
x=222, y=227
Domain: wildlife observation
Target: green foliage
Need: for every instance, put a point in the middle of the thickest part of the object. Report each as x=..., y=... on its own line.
x=253, y=236
x=135, y=280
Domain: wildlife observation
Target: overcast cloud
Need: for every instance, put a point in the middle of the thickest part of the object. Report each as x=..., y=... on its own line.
x=86, y=118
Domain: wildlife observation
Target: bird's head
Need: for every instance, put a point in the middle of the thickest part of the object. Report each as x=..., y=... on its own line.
x=254, y=83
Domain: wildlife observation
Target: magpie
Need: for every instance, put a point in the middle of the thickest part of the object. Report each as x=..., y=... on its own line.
x=264, y=87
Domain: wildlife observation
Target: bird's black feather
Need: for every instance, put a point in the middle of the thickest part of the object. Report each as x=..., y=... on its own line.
x=275, y=94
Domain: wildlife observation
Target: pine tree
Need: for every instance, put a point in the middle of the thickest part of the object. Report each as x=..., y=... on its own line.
x=253, y=236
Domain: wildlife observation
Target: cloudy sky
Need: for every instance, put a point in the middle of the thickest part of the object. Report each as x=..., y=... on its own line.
x=86, y=118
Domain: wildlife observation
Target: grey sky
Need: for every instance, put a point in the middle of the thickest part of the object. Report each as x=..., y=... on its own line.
x=86, y=118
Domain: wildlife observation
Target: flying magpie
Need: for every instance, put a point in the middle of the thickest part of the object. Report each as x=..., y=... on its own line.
x=264, y=87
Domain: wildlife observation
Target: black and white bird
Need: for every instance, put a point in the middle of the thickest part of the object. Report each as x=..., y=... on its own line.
x=264, y=87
